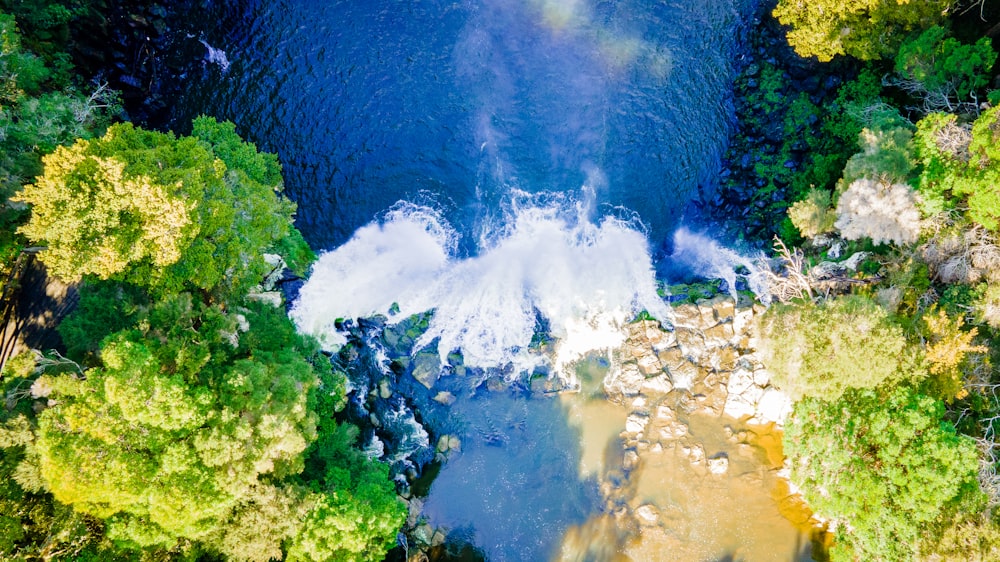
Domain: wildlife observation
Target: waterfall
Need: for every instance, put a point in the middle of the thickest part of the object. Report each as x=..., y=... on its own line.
x=584, y=279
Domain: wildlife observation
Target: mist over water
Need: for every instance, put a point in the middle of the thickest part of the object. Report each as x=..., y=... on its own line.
x=370, y=103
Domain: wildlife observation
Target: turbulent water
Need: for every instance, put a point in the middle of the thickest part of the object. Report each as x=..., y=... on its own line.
x=516, y=166
x=584, y=280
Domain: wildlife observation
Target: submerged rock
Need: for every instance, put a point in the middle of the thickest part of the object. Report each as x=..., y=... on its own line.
x=426, y=368
x=718, y=464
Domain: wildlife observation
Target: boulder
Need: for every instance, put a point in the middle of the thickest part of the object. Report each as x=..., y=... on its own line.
x=659, y=384
x=718, y=464
x=636, y=423
x=627, y=382
x=426, y=368
x=720, y=335
x=687, y=315
x=445, y=398
x=647, y=515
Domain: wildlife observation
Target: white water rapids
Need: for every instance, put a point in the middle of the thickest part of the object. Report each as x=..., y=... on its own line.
x=584, y=279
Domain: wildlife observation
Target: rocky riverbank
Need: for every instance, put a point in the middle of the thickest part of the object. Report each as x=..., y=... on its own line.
x=781, y=143
x=698, y=468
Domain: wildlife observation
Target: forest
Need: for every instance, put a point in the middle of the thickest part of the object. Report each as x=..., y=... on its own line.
x=185, y=418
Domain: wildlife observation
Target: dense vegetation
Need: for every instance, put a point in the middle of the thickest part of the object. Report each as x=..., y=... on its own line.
x=889, y=326
x=188, y=419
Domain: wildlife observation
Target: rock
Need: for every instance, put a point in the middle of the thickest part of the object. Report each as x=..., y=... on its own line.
x=424, y=533
x=827, y=270
x=631, y=460
x=627, y=382
x=683, y=374
x=687, y=315
x=695, y=453
x=445, y=398
x=438, y=538
x=657, y=385
x=426, y=368
x=773, y=406
x=691, y=342
x=673, y=430
x=635, y=423
x=742, y=319
x=384, y=390
x=272, y=298
x=741, y=380
x=278, y=265
x=415, y=506
x=855, y=260
x=454, y=444
x=649, y=364
x=720, y=335
x=718, y=464
x=761, y=378
x=647, y=515
x=707, y=312
x=442, y=444
x=724, y=307
x=738, y=407
x=723, y=359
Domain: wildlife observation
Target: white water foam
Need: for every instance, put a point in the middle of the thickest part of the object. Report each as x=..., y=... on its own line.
x=707, y=258
x=216, y=56
x=585, y=279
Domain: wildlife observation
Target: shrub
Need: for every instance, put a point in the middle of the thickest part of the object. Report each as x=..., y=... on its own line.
x=822, y=350
x=884, y=467
x=878, y=210
x=813, y=215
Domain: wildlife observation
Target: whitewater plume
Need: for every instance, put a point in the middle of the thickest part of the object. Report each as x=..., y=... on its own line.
x=707, y=258
x=585, y=280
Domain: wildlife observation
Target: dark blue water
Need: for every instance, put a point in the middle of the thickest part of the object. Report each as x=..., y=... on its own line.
x=368, y=102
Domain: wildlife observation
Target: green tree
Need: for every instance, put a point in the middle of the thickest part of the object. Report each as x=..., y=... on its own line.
x=188, y=416
x=961, y=165
x=885, y=467
x=941, y=70
x=159, y=211
x=813, y=215
x=37, y=113
x=823, y=350
x=866, y=29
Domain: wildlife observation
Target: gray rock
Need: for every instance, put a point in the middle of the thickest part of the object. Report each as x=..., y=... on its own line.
x=426, y=368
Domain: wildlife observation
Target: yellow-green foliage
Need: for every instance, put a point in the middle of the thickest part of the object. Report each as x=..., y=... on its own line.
x=886, y=154
x=813, y=215
x=823, y=350
x=98, y=221
x=866, y=29
x=946, y=346
x=975, y=539
x=159, y=211
x=885, y=467
x=181, y=422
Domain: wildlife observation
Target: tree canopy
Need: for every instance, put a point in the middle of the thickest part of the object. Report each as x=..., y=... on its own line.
x=823, y=350
x=866, y=29
x=884, y=467
x=163, y=212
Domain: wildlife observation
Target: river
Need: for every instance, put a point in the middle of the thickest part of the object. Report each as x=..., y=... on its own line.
x=517, y=166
